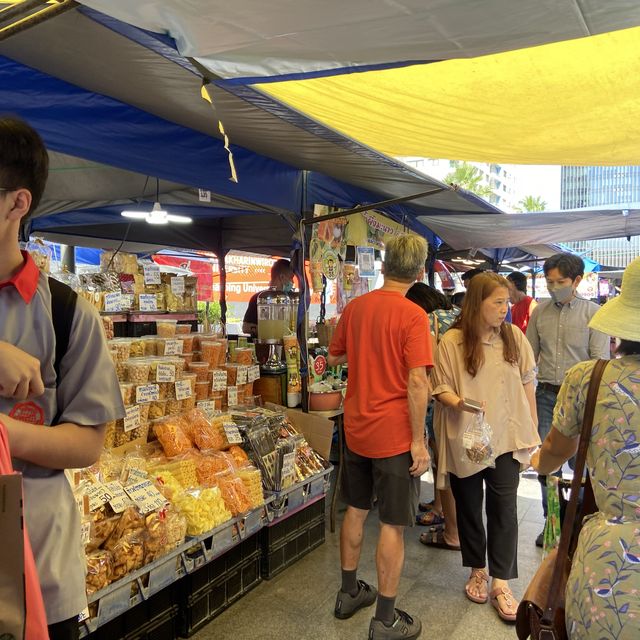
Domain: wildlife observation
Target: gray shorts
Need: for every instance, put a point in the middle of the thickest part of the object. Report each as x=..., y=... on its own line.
x=388, y=479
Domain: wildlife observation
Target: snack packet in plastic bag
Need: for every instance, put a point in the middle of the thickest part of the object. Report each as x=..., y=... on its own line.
x=552, y=526
x=476, y=442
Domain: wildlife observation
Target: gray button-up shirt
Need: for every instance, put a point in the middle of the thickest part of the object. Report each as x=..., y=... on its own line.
x=560, y=337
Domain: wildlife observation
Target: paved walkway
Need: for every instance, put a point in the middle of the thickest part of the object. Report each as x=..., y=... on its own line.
x=298, y=604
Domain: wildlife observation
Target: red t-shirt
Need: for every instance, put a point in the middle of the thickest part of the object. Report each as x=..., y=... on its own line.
x=384, y=335
x=521, y=312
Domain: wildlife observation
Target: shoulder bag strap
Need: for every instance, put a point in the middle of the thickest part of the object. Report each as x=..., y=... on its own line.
x=570, y=514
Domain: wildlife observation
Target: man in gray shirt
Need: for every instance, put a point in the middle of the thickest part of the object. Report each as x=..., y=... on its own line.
x=559, y=334
x=54, y=420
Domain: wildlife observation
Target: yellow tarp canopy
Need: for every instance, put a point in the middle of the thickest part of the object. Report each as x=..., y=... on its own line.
x=569, y=103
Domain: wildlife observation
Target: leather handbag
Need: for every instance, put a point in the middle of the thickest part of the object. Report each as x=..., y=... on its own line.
x=541, y=612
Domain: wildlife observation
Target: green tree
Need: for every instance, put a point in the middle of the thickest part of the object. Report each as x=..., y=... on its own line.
x=531, y=203
x=468, y=177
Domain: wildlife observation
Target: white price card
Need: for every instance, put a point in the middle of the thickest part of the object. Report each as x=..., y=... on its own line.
x=177, y=285
x=254, y=373
x=98, y=495
x=204, y=195
x=241, y=377
x=120, y=500
x=232, y=433
x=232, y=396
x=166, y=373
x=288, y=464
x=85, y=533
x=113, y=302
x=219, y=380
x=152, y=274
x=173, y=347
x=131, y=418
x=146, y=497
x=148, y=302
x=147, y=393
x=208, y=407
x=183, y=389
x=136, y=475
x=127, y=300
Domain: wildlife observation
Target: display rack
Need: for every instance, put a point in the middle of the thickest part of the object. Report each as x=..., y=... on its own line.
x=199, y=551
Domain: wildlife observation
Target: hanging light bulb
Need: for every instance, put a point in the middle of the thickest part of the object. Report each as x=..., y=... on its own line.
x=157, y=215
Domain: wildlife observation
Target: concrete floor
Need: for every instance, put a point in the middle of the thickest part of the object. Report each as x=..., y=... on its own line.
x=298, y=604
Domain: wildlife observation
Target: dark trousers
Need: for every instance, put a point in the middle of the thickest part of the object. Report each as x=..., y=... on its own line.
x=65, y=630
x=501, y=536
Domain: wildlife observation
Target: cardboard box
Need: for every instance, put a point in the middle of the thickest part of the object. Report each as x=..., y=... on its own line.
x=317, y=430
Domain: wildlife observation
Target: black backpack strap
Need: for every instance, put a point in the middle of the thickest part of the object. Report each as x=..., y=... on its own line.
x=63, y=307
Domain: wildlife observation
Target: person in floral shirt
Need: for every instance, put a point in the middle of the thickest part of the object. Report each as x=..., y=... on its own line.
x=603, y=591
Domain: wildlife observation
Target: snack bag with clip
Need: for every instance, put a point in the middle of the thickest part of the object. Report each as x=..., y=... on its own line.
x=476, y=442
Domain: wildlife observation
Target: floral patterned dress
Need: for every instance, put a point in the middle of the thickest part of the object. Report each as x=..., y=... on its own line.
x=603, y=591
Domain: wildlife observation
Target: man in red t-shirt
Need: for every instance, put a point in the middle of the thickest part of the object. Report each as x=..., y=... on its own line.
x=522, y=305
x=385, y=339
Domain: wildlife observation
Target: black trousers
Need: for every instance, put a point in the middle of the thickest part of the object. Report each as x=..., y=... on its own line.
x=501, y=536
x=65, y=630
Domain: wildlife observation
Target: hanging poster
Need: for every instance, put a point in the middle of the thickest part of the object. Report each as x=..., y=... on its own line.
x=366, y=262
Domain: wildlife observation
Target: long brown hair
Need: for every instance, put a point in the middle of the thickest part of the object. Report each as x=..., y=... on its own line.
x=479, y=289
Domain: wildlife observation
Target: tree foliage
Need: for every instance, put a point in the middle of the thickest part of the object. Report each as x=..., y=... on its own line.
x=468, y=177
x=531, y=203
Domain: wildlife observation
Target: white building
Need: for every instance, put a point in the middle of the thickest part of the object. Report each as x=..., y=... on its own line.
x=501, y=178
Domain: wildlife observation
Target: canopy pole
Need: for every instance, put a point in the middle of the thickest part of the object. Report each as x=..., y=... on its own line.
x=222, y=267
x=369, y=207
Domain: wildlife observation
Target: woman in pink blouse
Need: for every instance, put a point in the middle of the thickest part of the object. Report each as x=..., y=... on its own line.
x=484, y=359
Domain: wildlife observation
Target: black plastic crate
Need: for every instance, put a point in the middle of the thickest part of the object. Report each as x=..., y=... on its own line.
x=213, y=572
x=275, y=535
x=137, y=619
x=197, y=610
x=163, y=627
x=278, y=558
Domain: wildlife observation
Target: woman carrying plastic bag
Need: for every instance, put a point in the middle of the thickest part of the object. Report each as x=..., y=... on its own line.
x=485, y=375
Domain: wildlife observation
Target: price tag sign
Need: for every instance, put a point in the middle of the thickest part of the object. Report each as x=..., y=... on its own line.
x=177, y=286
x=254, y=373
x=183, y=389
x=232, y=433
x=145, y=496
x=131, y=418
x=85, y=533
x=208, y=407
x=243, y=371
x=147, y=393
x=166, y=373
x=232, y=396
x=288, y=464
x=219, y=380
x=113, y=302
x=120, y=500
x=98, y=495
x=127, y=300
x=136, y=475
x=173, y=347
x=148, y=302
x=152, y=274
x=204, y=195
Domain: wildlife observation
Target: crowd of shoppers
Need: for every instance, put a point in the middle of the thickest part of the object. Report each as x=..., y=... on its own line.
x=527, y=388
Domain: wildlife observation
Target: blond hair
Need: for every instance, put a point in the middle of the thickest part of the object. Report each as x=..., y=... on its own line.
x=404, y=257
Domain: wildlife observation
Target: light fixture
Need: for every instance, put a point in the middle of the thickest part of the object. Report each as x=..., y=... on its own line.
x=157, y=215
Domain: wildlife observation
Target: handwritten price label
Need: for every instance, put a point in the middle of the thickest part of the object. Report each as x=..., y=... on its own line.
x=152, y=274
x=131, y=418
x=148, y=302
x=183, y=390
